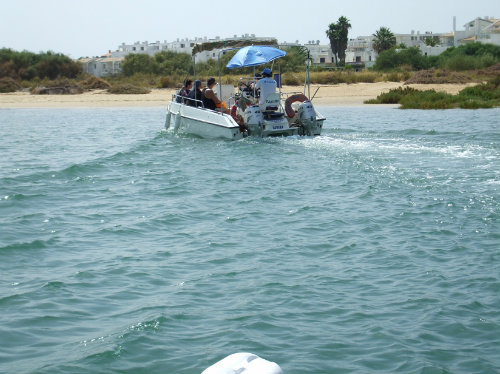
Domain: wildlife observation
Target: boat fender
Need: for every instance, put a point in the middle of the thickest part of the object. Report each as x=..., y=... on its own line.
x=167, y=120
x=292, y=99
x=177, y=120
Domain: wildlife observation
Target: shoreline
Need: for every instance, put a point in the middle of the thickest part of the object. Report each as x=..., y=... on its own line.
x=324, y=95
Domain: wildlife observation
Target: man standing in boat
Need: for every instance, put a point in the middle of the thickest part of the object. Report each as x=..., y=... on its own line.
x=267, y=85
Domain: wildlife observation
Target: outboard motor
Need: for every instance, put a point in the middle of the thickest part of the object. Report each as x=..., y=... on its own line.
x=306, y=112
x=254, y=120
x=307, y=117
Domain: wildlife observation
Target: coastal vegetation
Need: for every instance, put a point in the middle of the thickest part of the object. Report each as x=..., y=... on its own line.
x=471, y=63
x=484, y=95
x=31, y=66
x=465, y=57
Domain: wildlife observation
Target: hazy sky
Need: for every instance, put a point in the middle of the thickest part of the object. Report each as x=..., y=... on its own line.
x=92, y=27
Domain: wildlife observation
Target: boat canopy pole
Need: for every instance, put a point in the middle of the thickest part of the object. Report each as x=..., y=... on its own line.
x=307, y=81
x=279, y=72
x=254, y=83
x=220, y=73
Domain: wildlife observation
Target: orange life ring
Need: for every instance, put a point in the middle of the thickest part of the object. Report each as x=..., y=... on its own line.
x=233, y=112
x=292, y=99
x=238, y=118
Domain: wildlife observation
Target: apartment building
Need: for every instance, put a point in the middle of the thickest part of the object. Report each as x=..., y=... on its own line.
x=359, y=53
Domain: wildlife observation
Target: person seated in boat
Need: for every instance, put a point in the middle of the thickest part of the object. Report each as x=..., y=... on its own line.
x=184, y=91
x=267, y=85
x=210, y=99
x=195, y=96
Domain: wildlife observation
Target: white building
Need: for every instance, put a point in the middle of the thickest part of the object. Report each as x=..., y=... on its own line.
x=110, y=64
x=179, y=46
x=105, y=66
x=359, y=51
x=185, y=45
x=482, y=30
x=320, y=54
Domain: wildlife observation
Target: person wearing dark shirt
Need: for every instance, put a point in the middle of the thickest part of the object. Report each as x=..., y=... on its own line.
x=195, y=94
x=184, y=91
x=210, y=99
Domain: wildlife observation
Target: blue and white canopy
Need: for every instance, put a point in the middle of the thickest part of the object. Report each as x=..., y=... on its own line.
x=254, y=55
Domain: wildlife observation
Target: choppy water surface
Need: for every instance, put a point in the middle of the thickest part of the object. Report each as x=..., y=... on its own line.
x=373, y=248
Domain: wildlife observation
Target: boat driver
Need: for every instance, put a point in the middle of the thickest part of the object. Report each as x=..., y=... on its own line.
x=267, y=85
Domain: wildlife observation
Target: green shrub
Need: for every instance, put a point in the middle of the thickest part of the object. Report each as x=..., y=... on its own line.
x=466, y=57
x=460, y=63
x=394, y=58
x=394, y=96
x=481, y=96
x=137, y=63
x=429, y=99
x=469, y=56
x=27, y=65
x=9, y=85
x=484, y=95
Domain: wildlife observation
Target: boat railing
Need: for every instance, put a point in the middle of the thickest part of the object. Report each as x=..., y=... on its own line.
x=184, y=100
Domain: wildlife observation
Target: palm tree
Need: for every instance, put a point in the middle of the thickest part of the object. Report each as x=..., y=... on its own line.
x=343, y=26
x=384, y=40
x=333, y=36
x=337, y=34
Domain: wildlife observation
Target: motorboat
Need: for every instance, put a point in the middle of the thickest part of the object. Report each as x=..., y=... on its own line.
x=279, y=114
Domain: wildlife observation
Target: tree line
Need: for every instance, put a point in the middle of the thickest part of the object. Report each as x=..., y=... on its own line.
x=28, y=65
x=172, y=63
x=390, y=56
x=471, y=56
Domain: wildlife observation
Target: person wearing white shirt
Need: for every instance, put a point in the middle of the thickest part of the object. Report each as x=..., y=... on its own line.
x=267, y=85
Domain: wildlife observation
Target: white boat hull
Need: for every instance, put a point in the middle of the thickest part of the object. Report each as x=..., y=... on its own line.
x=201, y=122
x=207, y=123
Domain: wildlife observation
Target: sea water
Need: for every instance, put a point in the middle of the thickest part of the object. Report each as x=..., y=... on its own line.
x=373, y=248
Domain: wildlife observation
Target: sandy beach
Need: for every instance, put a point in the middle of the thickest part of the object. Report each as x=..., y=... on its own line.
x=333, y=95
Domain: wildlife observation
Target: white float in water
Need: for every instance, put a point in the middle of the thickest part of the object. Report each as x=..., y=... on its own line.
x=243, y=363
